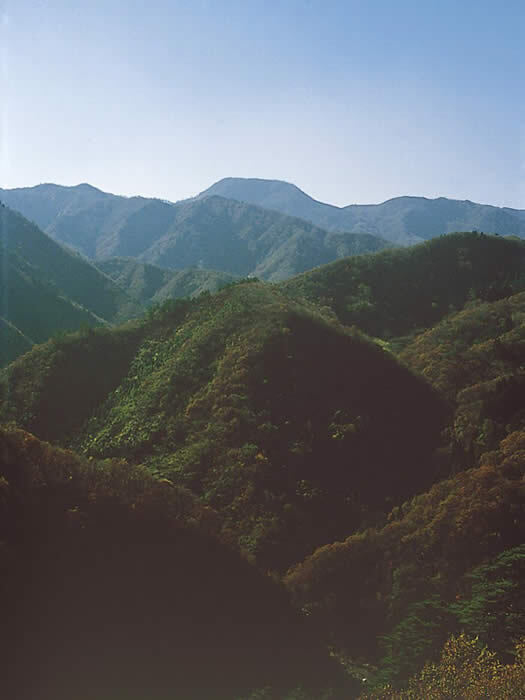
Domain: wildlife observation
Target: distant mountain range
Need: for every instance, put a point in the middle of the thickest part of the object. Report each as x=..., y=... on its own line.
x=102, y=225
x=403, y=220
x=209, y=232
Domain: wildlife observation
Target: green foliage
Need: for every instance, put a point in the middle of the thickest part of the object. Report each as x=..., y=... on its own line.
x=47, y=289
x=397, y=291
x=150, y=284
x=475, y=358
x=493, y=605
x=296, y=429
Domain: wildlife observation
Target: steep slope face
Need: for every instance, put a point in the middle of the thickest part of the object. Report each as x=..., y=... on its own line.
x=476, y=359
x=448, y=560
x=403, y=220
x=395, y=292
x=35, y=308
x=213, y=233
x=150, y=284
x=242, y=239
x=296, y=430
x=13, y=342
x=117, y=586
x=71, y=276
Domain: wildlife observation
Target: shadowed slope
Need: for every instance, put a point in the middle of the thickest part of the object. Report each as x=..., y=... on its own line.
x=117, y=587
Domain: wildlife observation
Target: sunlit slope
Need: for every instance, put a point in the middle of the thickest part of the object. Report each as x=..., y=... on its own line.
x=119, y=586
x=294, y=428
x=476, y=358
x=397, y=291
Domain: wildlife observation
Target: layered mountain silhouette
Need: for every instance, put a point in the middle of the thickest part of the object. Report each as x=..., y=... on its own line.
x=46, y=288
x=150, y=284
x=209, y=233
x=403, y=220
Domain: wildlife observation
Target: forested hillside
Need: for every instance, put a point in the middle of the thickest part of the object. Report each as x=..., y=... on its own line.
x=450, y=559
x=399, y=291
x=150, y=284
x=295, y=429
x=46, y=289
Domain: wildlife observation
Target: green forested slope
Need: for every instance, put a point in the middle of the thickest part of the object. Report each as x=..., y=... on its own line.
x=12, y=342
x=46, y=289
x=150, y=284
x=476, y=358
x=295, y=429
x=71, y=275
x=243, y=239
x=35, y=307
x=397, y=291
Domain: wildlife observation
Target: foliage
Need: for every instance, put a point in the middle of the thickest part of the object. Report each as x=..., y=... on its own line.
x=395, y=292
x=150, y=284
x=411, y=581
x=47, y=289
x=475, y=358
x=466, y=671
x=294, y=428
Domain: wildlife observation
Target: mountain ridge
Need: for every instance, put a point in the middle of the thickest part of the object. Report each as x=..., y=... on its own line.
x=214, y=232
x=403, y=227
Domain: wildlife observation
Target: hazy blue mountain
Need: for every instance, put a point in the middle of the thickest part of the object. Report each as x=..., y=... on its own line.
x=210, y=233
x=242, y=239
x=404, y=220
x=45, y=288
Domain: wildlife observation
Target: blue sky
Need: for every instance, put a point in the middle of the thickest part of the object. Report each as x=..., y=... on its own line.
x=353, y=101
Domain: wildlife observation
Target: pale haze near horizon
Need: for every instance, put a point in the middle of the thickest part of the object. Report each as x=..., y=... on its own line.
x=354, y=102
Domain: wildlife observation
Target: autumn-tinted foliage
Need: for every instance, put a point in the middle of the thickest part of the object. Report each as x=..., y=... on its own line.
x=396, y=593
x=466, y=670
x=114, y=585
x=476, y=359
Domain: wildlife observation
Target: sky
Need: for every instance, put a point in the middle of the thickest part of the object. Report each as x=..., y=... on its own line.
x=354, y=101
